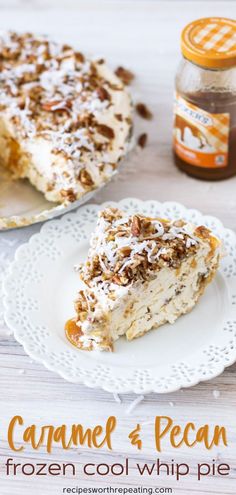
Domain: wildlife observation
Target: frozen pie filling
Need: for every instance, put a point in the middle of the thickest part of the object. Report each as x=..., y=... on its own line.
x=65, y=121
x=140, y=273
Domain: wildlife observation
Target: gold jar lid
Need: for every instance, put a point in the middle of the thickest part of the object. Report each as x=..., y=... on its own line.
x=210, y=42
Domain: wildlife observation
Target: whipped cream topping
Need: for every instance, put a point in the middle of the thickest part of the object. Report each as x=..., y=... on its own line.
x=50, y=92
x=127, y=248
x=128, y=244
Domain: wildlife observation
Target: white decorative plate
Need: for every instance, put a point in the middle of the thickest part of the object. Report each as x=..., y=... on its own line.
x=41, y=286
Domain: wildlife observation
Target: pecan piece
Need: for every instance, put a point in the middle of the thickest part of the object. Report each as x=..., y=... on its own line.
x=79, y=57
x=68, y=194
x=136, y=226
x=56, y=105
x=202, y=232
x=85, y=178
x=103, y=94
x=125, y=75
x=105, y=131
x=119, y=117
x=35, y=93
x=125, y=251
x=120, y=279
x=66, y=48
x=143, y=111
x=142, y=140
x=116, y=279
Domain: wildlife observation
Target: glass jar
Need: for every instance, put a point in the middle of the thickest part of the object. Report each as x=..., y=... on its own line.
x=205, y=101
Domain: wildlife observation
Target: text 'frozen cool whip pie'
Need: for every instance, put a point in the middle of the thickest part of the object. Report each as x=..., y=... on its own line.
x=140, y=273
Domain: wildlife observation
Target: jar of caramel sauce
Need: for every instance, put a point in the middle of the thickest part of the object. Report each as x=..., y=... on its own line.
x=204, y=140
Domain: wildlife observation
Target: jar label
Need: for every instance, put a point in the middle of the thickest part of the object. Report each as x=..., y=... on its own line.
x=200, y=138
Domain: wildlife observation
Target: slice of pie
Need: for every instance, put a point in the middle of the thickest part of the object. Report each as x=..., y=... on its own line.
x=65, y=121
x=140, y=273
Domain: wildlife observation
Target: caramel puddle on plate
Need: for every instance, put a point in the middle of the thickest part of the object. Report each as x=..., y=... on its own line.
x=72, y=332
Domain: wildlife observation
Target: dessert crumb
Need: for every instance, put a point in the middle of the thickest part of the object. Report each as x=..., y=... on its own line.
x=142, y=140
x=117, y=398
x=134, y=404
x=216, y=394
x=125, y=75
x=143, y=111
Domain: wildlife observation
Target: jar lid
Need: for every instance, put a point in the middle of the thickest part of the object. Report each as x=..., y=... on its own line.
x=210, y=42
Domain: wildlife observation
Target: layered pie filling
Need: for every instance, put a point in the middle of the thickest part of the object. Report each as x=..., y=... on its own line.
x=65, y=121
x=140, y=273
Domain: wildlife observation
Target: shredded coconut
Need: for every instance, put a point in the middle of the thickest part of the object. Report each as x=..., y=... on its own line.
x=117, y=398
x=134, y=404
x=50, y=92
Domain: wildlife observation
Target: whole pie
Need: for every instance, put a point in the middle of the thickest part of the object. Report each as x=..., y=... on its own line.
x=140, y=273
x=65, y=121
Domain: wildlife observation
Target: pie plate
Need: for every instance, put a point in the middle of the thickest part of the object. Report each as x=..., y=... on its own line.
x=22, y=205
x=41, y=285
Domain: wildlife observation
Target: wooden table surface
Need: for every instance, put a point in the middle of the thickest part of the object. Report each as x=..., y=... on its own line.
x=142, y=35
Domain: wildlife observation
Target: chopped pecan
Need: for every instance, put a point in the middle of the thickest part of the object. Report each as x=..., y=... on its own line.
x=120, y=279
x=119, y=117
x=125, y=251
x=103, y=94
x=110, y=213
x=66, y=48
x=116, y=279
x=136, y=226
x=56, y=105
x=125, y=75
x=35, y=93
x=40, y=68
x=79, y=57
x=202, y=232
x=105, y=131
x=94, y=72
x=21, y=102
x=143, y=111
x=68, y=194
x=120, y=234
x=50, y=186
x=85, y=178
x=8, y=54
x=142, y=140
